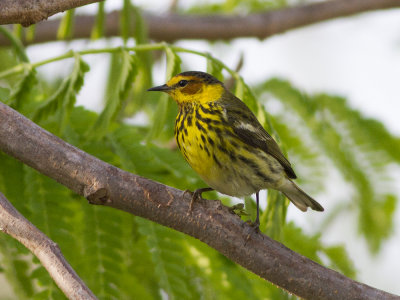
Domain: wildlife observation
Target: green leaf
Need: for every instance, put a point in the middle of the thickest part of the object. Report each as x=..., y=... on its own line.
x=126, y=20
x=14, y=257
x=219, y=278
x=51, y=211
x=15, y=40
x=140, y=27
x=274, y=217
x=215, y=69
x=12, y=182
x=16, y=267
x=102, y=261
x=173, y=63
x=30, y=33
x=376, y=220
x=143, y=80
x=166, y=249
x=239, y=89
x=18, y=31
x=66, y=28
x=365, y=132
x=98, y=29
x=63, y=100
x=311, y=247
x=331, y=129
x=139, y=280
x=5, y=95
x=340, y=260
x=243, y=92
x=124, y=66
x=22, y=90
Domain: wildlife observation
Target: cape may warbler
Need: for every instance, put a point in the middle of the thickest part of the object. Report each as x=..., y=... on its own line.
x=225, y=144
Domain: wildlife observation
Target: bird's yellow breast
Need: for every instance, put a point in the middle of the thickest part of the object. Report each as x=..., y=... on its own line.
x=196, y=131
x=214, y=151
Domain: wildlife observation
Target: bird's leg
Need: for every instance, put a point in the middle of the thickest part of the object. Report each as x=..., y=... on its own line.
x=197, y=195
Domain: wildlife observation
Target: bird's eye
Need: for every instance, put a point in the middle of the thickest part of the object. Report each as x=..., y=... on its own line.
x=182, y=83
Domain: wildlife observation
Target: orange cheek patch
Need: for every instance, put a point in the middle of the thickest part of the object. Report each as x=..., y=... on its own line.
x=192, y=88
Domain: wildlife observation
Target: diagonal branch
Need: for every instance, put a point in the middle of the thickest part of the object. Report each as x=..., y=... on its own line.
x=172, y=27
x=15, y=225
x=210, y=221
x=28, y=12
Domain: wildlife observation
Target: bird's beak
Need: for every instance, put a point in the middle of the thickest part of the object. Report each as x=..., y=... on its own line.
x=160, y=88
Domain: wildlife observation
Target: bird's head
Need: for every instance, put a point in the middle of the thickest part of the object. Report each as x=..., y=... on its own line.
x=192, y=87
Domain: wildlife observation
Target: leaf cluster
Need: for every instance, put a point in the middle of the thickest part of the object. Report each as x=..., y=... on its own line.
x=120, y=256
x=360, y=148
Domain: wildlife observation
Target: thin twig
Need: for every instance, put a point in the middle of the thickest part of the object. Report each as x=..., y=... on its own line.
x=48, y=252
x=210, y=221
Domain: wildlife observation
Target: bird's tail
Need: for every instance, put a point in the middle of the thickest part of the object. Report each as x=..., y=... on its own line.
x=299, y=197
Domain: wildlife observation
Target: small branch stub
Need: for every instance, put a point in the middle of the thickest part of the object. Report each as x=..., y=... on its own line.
x=98, y=197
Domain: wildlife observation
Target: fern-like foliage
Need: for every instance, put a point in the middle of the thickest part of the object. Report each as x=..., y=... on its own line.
x=15, y=259
x=166, y=250
x=46, y=199
x=63, y=100
x=120, y=256
x=122, y=73
x=352, y=143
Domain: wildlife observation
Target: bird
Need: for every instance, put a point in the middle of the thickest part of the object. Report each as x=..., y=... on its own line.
x=225, y=144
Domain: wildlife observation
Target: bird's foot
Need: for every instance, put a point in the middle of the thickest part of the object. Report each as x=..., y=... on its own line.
x=255, y=226
x=254, y=229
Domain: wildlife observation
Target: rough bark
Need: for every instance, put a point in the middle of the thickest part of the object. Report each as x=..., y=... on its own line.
x=210, y=221
x=48, y=252
x=27, y=12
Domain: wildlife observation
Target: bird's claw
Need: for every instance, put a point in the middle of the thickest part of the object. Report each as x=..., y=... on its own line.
x=255, y=226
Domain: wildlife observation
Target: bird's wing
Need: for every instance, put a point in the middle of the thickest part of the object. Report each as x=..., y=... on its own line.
x=250, y=131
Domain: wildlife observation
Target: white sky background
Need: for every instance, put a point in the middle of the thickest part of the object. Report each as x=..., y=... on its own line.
x=355, y=57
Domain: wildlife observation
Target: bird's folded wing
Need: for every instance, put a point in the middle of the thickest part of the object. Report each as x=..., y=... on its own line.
x=249, y=130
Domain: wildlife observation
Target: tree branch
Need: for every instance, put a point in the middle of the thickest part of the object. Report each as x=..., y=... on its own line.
x=28, y=12
x=215, y=27
x=210, y=221
x=48, y=252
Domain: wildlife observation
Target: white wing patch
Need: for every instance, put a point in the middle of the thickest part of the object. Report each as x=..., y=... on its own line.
x=225, y=115
x=247, y=126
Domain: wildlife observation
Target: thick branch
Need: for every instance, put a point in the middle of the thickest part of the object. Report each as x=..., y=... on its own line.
x=27, y=12
x=209, y=221
x=49, y=254
x=216, y=27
